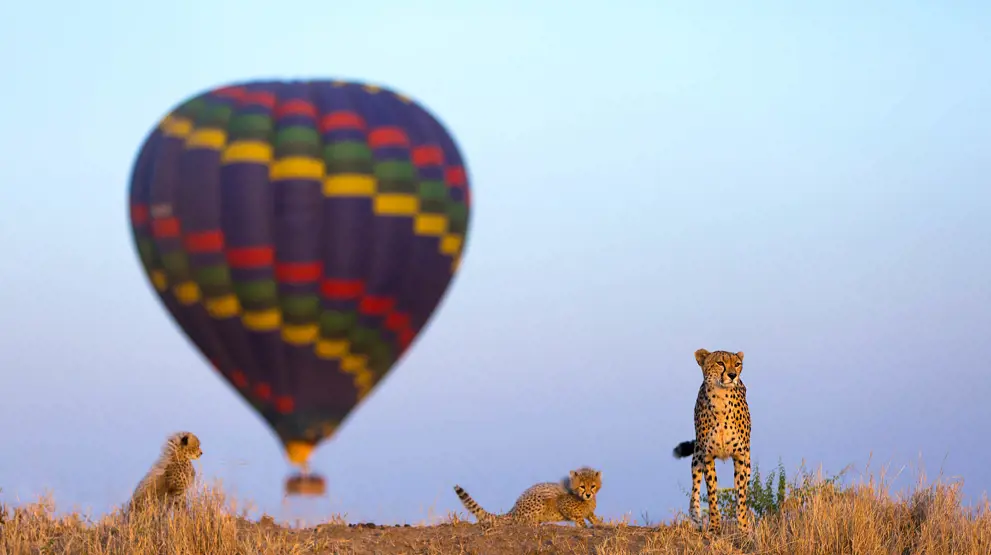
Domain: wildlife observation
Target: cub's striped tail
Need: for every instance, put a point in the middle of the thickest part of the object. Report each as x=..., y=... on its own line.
x=685, y=449
x=481, y=514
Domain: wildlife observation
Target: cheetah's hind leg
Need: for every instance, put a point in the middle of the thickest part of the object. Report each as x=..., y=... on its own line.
x=741, y=471
x=695, y=504
x=712, y=492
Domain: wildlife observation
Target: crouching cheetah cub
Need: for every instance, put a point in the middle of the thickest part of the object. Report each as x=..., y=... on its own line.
x=722, y=431
x=571, y=499
x=172, y=474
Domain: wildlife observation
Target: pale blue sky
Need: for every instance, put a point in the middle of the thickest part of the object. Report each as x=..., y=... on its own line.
x=807, y=184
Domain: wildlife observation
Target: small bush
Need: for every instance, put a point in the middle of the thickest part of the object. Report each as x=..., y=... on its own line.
x=768, y=496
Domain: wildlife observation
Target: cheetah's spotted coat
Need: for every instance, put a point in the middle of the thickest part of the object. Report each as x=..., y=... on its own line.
x=172, y=474
x=572, y=499
x=722, y=431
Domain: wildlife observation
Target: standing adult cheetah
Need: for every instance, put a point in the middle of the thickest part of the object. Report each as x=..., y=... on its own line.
x=171, y=475
x=722, y=431
x=571, y=499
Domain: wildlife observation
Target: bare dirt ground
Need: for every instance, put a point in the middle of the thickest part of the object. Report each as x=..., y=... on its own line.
x=469, y=538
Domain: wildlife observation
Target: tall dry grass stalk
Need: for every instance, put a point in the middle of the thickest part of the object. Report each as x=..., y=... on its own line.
x=827, y=519
x=211, y=525
x=867, y=518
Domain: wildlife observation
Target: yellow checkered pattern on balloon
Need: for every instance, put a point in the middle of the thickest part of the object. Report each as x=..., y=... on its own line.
x=342, y=185
x=395, y=204
x=295, y=167
x=354, y=364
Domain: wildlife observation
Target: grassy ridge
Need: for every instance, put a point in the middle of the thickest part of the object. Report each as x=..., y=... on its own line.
x=808, y=515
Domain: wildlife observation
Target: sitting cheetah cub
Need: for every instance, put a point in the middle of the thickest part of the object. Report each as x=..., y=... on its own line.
x=172, y=474
x=571, y=499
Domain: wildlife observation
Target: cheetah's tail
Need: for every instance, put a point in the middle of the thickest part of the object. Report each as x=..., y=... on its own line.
x=685, y=449
x=481, y=514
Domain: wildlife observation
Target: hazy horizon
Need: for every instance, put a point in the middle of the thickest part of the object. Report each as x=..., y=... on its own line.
x=807, y=184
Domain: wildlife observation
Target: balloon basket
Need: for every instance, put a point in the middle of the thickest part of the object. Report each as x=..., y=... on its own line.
x=305, y=485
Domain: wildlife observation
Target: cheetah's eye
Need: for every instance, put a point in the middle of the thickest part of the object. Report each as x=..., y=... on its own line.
x=739, y=364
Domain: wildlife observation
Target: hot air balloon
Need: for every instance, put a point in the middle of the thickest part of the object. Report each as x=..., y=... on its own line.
x=301, y=234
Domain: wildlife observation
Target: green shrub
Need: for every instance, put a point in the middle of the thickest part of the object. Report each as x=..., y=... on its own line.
x=766, y=496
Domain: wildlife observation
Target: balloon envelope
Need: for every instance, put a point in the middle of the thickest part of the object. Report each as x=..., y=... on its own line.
x=301, y=233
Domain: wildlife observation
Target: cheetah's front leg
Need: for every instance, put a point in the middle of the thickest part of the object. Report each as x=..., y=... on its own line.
x=711, y=484
x=595, y=521
x=175, y=503
x=694, y=507
x=741, y=475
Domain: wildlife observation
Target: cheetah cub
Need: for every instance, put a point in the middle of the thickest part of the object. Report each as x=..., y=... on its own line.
x=571, y=499
x=722, y=431
x=172, y=474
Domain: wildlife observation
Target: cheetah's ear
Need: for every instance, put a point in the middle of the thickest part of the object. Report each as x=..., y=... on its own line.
x=185, y=440
x=598, y=474
x=740, y=354
x=572, y=473
x=700, y=356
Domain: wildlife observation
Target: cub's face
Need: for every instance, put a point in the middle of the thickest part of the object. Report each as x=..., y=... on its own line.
x=721, y=368
x=585, y=483
x=190, y=445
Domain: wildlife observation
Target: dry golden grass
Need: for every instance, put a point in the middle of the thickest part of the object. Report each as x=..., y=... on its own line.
x=862, y=519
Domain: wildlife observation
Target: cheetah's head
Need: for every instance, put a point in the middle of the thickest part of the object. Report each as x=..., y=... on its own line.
x=720, y=368
x=585, y=482
x=187, y=445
